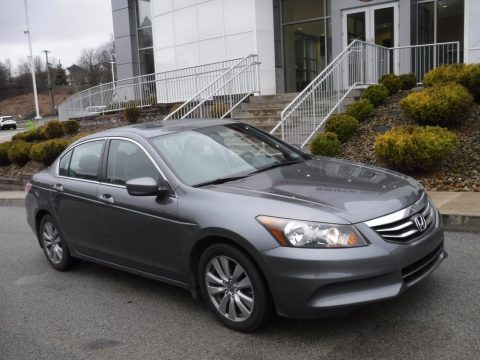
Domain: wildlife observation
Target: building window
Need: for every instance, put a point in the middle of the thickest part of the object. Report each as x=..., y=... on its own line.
x=440, y=21
x=144, y=35
x=307, y=41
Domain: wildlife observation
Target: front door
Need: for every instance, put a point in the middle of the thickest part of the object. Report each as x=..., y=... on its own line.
x=377, y=24
x=139, y=232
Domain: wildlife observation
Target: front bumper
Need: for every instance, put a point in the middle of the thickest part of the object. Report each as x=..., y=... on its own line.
x=310, y=283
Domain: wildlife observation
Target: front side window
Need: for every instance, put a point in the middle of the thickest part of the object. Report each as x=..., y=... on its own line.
x=64, y=163
x=127, y=161
x=85, y=160
x=218, y=152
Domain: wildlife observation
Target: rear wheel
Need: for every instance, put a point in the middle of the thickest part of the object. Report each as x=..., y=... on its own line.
x=233, y=288
x=54, y=245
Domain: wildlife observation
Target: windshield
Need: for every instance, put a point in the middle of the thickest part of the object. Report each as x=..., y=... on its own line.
x=225, y=152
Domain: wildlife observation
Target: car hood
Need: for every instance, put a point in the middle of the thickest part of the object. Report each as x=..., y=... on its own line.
x=353, y=191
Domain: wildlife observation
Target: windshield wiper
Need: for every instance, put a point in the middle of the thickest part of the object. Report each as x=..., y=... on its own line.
x=276, y=165
x=221, y=180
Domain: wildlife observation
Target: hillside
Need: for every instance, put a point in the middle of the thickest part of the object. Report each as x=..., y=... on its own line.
x=23, y=106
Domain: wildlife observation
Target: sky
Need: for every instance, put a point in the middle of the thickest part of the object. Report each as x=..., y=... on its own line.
x=64, y=27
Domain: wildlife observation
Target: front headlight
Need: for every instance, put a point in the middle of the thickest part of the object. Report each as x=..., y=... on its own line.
x=309, y=234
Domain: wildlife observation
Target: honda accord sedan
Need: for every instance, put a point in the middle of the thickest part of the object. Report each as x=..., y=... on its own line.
x=239, y=218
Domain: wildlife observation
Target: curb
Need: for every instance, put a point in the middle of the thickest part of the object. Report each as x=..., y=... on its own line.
x=461, y=223
x=12, y=202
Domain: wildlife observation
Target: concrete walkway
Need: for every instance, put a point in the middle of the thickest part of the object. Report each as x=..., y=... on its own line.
x=460, y=210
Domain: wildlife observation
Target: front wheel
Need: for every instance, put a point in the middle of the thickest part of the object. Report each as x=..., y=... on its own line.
x=54, y=245
x=233, y=288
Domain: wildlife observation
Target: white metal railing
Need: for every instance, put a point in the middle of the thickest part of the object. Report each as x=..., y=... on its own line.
x=420, y=59
x=359, y=63
x=222, y=95
x=165, y=87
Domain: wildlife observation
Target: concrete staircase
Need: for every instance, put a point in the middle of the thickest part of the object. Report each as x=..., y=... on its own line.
x=265, y=111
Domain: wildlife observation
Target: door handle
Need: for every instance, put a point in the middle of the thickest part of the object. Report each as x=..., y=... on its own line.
x=107, y=198
x=58, y=187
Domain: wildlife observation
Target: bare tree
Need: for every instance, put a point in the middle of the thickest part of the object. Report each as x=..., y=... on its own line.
x=96, y=62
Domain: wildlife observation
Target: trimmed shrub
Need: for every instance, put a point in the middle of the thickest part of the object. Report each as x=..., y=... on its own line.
x=30, y=135
x=415, y=148
x=409, y=81
x=445, y=105
x=470, y=78
x=53, y=130
x=47, y=151
x=466, y=75
x=360, y=109
x=443, y=75
x=70, y=127
x=376, y=94
x=325, y=144
x=392, y=82
x=343, y=125
x=19, y=152
x=4, y=160
x=218, y=109
x=132, y=114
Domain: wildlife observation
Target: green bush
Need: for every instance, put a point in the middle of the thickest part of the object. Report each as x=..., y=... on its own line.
x=443, y=75
x=70, y=127
x=466, y=75
x=392, y=83
x=46, y=152
x=32, y=135
x=132, y=114
x=19, y=152
x=409, y=81
x=470, y=78
x=53, y=130
x=325, y=144
x=360, y=109
x=444, y=105
x=218, y=109
x=343, y=125
x=415, y=148
x=376, y=94
x=4, y=160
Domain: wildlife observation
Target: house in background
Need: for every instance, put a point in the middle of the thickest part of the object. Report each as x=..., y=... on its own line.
x=294, y=39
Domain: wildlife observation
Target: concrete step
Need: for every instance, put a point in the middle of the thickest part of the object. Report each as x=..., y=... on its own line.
x=288, y=97
x=275, y=105
x=256, y=113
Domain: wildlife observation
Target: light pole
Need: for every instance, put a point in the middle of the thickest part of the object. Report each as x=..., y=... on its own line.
x=32, y=66
x=49, y=81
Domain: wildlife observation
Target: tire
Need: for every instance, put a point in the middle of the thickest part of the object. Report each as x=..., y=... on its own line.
x=14, y=127
x=54, y=245
x=241, y=301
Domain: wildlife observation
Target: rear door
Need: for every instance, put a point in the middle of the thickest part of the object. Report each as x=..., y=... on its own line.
x=74, y=196
x=139, y=232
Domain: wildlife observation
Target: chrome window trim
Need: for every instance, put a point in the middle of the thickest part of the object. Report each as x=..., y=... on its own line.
x=399, y=215
x=57, y=170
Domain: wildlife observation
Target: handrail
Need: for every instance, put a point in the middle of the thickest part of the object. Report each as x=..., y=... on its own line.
x=145, y=90
x=359, y=64
x=215, y=99
x=302, y=118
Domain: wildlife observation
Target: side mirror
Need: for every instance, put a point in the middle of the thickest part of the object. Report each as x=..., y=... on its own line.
x=147, y=186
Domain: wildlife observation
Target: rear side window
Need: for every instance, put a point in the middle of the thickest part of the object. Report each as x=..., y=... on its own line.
x=85, y=160
x=127, y=161
x=64, y=162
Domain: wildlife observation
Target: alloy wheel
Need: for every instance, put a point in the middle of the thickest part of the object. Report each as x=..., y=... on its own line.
x=52, y=243
x=229, y=288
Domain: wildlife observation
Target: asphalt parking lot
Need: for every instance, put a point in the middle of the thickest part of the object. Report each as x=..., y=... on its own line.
x=6, y=135
x=93, y=312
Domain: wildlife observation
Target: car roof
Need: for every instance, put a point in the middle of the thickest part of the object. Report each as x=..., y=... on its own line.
x=156, y=128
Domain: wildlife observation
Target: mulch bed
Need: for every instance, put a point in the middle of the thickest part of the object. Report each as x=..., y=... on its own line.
x=461, y=172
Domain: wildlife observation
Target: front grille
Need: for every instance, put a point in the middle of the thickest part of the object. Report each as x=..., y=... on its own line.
x=417, y=269
x=406, y=230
